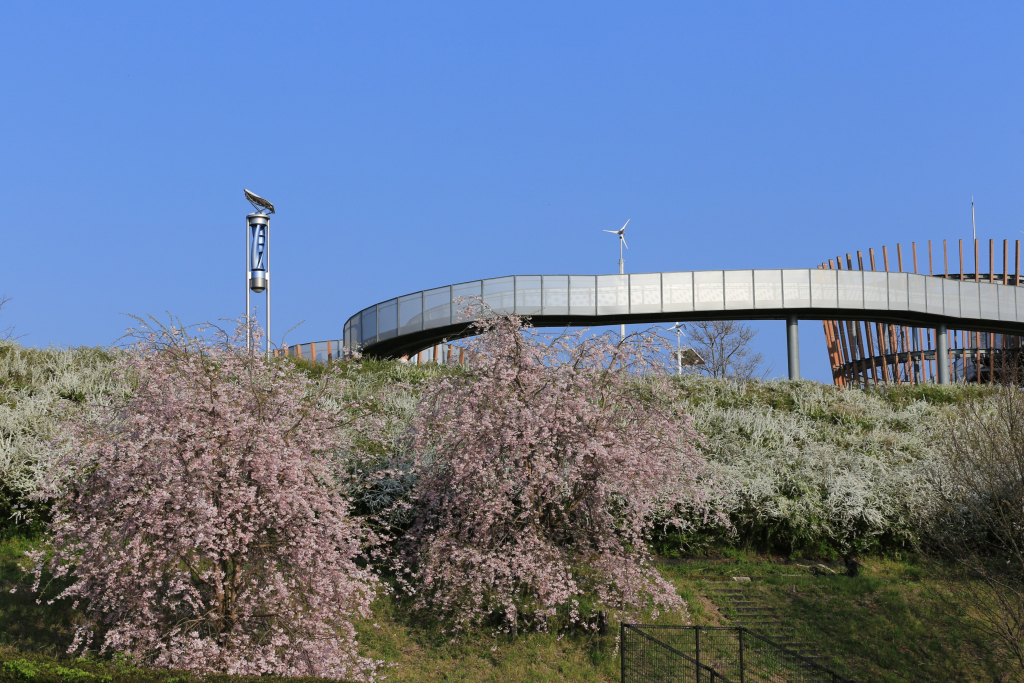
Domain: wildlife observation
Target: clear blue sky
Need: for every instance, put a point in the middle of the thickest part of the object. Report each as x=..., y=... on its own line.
x=409, y=145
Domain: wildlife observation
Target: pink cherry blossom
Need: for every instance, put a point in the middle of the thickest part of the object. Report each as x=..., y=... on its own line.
x=541, y=471
x=200, y=526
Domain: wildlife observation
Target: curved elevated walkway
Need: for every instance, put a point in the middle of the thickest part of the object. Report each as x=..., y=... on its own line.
x=415, y=321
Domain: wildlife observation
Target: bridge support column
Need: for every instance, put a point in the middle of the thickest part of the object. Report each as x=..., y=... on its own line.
x=793, y=346
x=942, y=352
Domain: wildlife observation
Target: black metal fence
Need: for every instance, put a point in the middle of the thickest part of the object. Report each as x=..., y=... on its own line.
x=705, y=654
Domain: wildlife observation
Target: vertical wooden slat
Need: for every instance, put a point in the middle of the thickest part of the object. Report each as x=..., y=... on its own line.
x=868, y=336
x=930, y=271
x=1016, y=265
x=991, y=260
x=961, y=260
x=945, y=258
x=832, y=340
x=834, y=358
x=879, y=330
x=856, y=342
x=977, y=262
x=1006, y=264
x=845, y=346
x=899, y=256
x=920, y=333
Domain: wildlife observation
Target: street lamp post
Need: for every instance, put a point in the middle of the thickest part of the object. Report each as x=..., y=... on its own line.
x=257, y=259
x=678, y=329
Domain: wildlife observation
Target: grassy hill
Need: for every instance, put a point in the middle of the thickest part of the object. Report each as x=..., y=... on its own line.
x=810, y=473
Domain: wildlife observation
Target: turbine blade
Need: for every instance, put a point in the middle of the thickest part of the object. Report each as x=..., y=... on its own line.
x=623, y=238
x=625, y=224
x=614, y=232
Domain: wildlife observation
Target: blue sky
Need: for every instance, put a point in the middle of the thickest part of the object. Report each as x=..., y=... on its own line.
x=409, y=145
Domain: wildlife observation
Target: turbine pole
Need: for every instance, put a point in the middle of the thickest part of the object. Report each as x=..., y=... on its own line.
x=622, y=271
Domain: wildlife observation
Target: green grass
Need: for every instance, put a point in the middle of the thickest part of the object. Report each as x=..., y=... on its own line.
x=889, y=624
x=33, y=639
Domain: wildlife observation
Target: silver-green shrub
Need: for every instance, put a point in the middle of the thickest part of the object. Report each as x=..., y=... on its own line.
x=807, y=467
x=38, y=389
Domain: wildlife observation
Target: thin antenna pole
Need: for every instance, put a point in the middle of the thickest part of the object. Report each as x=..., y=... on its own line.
x=974, y=224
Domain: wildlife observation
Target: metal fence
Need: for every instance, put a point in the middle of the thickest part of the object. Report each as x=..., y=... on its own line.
x=703, y=654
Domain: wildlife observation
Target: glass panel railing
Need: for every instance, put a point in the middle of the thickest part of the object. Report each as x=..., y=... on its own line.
x=876, y=290
x=437, y=307
x=970, y=300
x=1007, y=303
x=989, y=297
x=369, y=325
x=918, y=296
x=410, y=313
x=528, y=295
x=387, y=320
x=500, y=294
x=851, y=288
x=933, y=295
x=582, y=295
x=824, y=288
x=767, y=289
x=951, y=297
x=899, y=294
x=612, y=294
x=677, y=292
x=556, y=294
x=796, y=288
x=466, y=299
x=739, y=289
x=645, y=293
x=708, y=290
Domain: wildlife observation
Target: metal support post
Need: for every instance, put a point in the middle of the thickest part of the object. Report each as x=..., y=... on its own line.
x=741, y=655
x=248, y=341
x=793, y=346
x=268, y=291
x=942, y=353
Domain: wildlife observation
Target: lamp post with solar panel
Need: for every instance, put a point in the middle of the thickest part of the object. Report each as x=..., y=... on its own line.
x=257, y=259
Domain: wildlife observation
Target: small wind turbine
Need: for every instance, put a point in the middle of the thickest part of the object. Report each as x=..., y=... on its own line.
x=621, y=232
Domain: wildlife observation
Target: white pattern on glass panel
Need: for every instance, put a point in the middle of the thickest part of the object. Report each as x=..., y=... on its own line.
x=612, y=294
x=796, y=288
x=708, y=290
x=645, y=293
x=824, y=290
x=739, y=289
x=582, y=294
x=556, y=295
x=677, y=288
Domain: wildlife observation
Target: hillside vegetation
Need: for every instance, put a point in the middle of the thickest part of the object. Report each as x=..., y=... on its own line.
x=799, y=469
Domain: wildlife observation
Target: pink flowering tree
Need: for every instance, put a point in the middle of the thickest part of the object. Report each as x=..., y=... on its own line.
x=542, y=470
x=201, y=527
